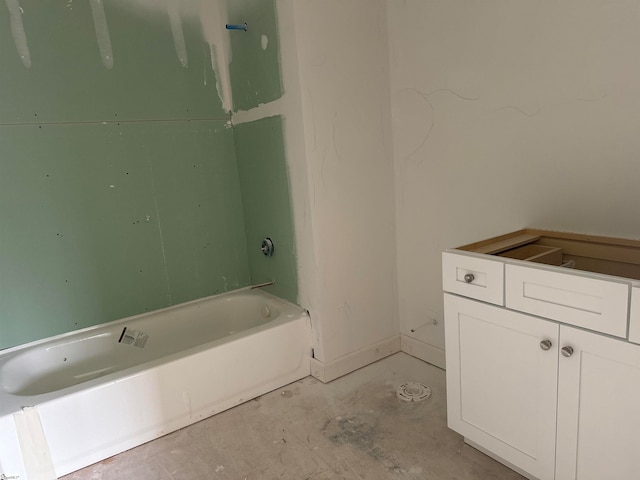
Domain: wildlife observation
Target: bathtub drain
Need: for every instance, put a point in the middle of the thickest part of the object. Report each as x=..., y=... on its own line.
x=413, y=392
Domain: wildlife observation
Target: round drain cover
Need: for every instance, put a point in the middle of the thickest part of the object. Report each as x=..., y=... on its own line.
x=413, y=392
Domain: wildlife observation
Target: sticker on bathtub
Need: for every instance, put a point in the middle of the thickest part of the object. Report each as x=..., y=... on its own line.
x=129, y=336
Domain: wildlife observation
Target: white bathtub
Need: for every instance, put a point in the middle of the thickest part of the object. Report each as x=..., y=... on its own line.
x=72, y=400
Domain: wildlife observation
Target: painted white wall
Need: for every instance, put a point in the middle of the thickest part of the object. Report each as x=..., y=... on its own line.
x=347, y=213
x=507, y=115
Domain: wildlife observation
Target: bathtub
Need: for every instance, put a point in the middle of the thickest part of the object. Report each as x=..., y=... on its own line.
x=75, y=399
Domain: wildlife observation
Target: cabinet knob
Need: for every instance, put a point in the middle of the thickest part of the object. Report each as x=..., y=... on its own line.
x=545, y=345
x=566, y=351
x=469, y=277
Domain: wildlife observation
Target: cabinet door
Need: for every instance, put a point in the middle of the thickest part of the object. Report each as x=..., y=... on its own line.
x=598, y=408
x=501, y=385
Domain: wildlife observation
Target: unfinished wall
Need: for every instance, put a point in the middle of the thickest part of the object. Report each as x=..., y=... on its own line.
x=255, y=54
x=262, y=156
x=343, y=77
x=119, y=188
x=267, y=205
x=506, y=115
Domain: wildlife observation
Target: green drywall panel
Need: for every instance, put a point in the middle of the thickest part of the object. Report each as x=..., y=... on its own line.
x=67, y=80
x=264, y=183
x=255, y=54
x=198, y=195
x=102, y=221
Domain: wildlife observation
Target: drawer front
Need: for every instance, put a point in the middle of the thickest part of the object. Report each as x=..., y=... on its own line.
x=634, y=316
x=585, y=302
x=484, y=278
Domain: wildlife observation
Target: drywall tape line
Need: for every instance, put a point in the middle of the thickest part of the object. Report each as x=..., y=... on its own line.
x=35, y=449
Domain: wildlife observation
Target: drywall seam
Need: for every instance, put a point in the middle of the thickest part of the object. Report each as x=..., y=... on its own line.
x=17, y=30
x=102, y=33
x=263, y=110
x=162, y=243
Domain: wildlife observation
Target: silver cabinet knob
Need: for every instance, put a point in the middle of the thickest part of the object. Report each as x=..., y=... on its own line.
x=546, y=345
x=469, y=277
x=566, y=351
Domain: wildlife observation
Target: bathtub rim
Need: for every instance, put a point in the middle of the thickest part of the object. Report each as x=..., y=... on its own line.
x=231, y=293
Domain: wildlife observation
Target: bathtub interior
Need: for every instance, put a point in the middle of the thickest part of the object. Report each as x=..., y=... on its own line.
x=91, y=420
x=74, y=358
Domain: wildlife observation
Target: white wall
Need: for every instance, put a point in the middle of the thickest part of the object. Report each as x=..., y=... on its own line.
x=508, y=115
x=348, y=279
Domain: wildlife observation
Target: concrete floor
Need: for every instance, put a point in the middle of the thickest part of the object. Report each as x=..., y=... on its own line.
x=352, y=428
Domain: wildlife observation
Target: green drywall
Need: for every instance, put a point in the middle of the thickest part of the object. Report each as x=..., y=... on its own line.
x=255, y=54
x=267, y=205
x=119, y=190
x=67, y=80
x=104, y=221
x=119, y=187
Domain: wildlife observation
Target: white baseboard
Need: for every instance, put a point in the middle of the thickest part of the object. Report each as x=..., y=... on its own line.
x=326, y=372
x=423, y=351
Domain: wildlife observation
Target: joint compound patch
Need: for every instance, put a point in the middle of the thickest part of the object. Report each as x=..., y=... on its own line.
x=129, y=336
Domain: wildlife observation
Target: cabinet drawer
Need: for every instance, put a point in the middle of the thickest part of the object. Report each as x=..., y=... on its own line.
x=585, y=302
x=634, y=316
x=484, y=278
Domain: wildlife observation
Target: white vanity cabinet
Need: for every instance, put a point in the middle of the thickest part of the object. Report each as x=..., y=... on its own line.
x=541, y=384
x=598, y=432
x=501, y=386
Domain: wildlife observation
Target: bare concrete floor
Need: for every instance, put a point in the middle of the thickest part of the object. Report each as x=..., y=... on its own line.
x=352, y=428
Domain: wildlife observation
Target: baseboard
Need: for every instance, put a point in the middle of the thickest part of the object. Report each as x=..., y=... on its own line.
x=423, y=351
x=326, y=372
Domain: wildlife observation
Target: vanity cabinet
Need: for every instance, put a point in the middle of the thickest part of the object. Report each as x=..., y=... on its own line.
x=501, y=386
x=548, y=384
x=598, y=430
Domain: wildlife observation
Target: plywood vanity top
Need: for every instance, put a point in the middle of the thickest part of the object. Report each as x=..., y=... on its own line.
x=612, y=256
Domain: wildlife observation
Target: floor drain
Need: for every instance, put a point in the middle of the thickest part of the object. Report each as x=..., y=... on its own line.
x=413, y=392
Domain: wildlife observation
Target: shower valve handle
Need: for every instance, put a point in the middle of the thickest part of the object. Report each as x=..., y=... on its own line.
x=267, y=246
